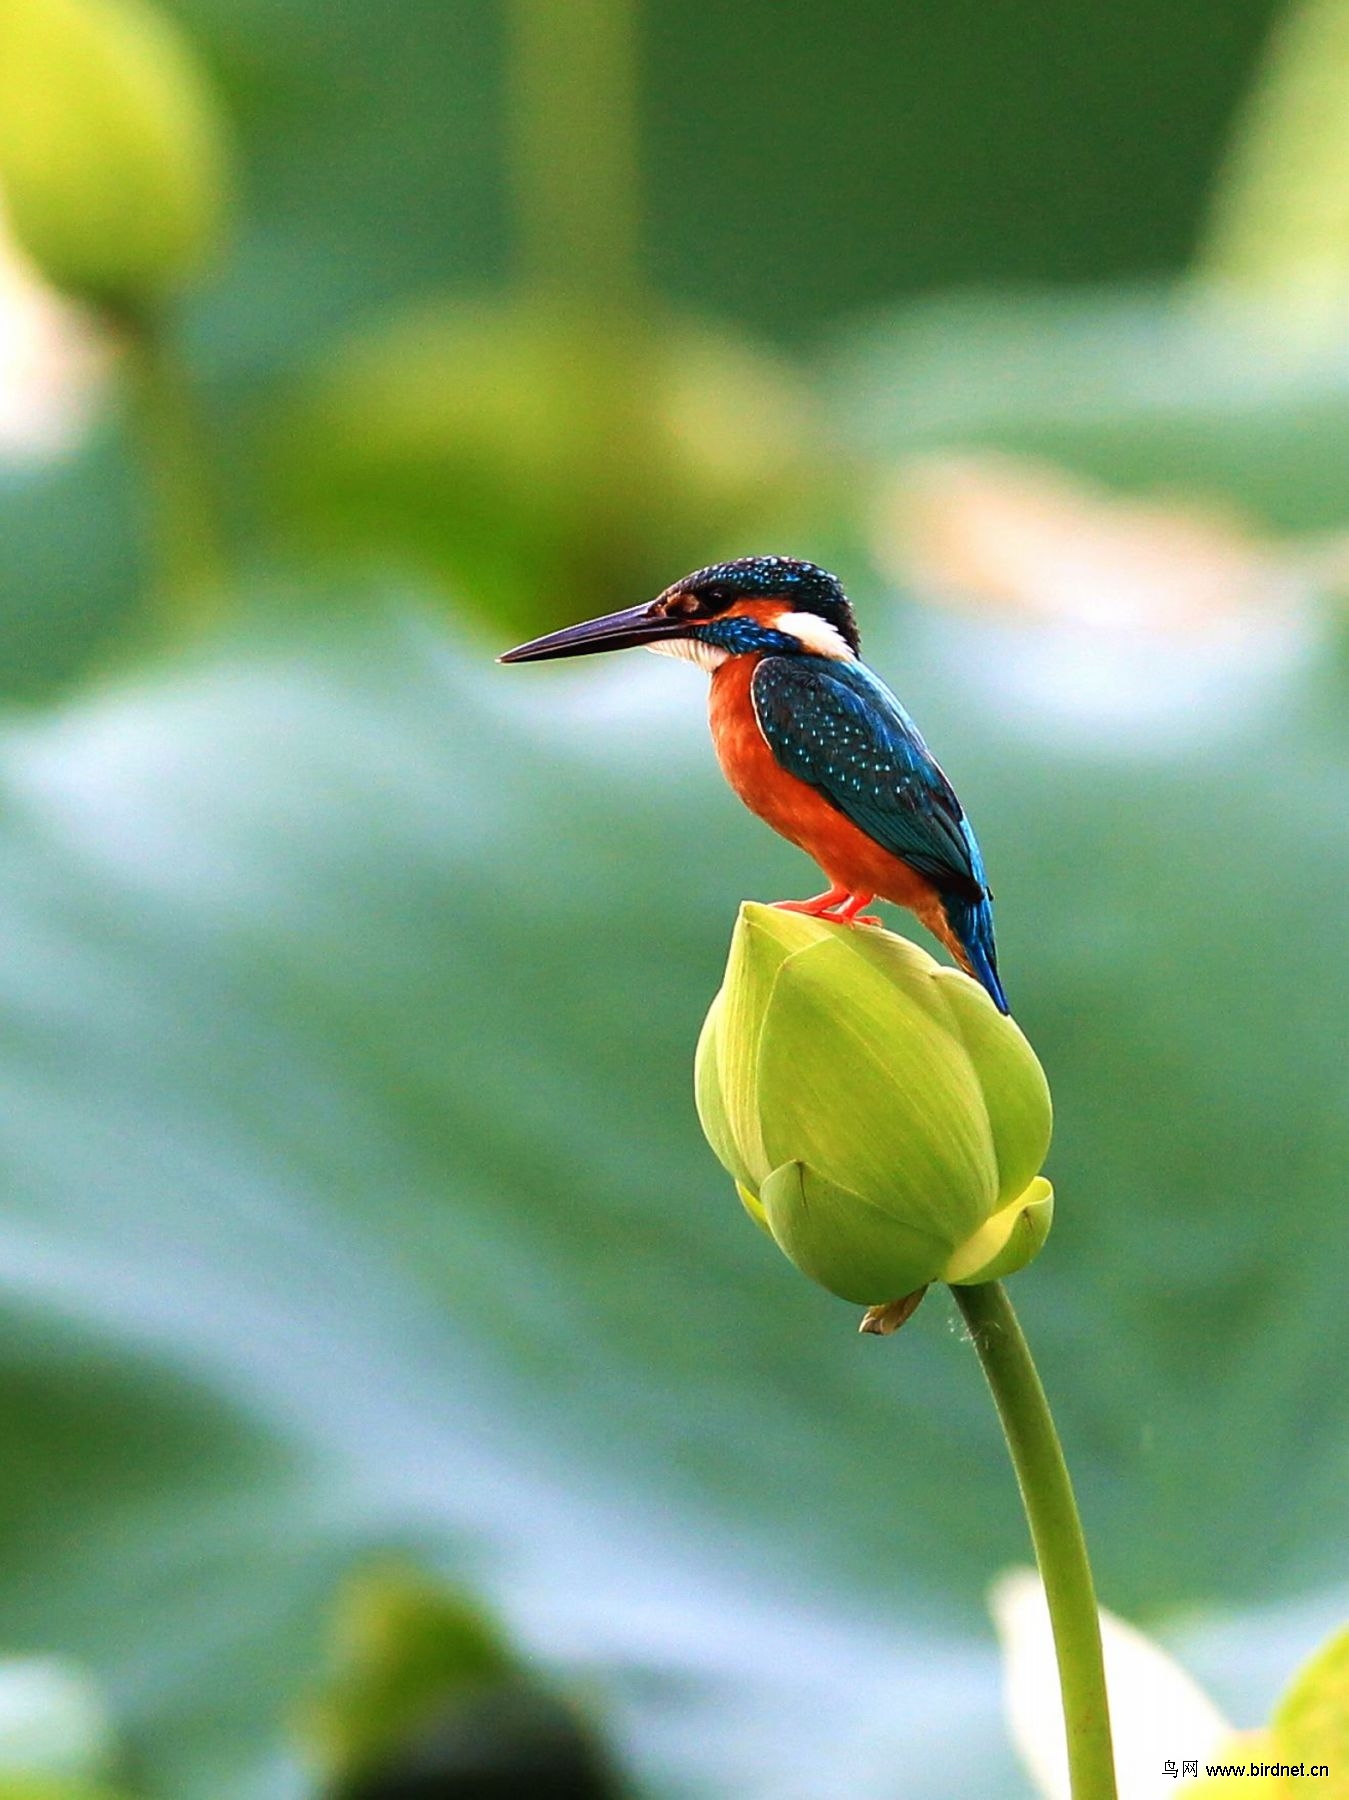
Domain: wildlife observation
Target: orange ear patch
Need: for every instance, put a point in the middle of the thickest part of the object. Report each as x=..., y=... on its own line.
x=765, y=612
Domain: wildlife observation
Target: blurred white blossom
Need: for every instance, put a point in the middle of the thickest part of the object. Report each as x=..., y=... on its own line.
x=53, y=1725
x=1155, y=619
x=52, y=359
x=1014, y=535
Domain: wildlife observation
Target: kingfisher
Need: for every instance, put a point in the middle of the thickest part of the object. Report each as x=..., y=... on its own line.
x=815, y=744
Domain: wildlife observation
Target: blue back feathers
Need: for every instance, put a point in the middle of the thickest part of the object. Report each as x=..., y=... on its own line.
x=972, y=923
x=835, y=725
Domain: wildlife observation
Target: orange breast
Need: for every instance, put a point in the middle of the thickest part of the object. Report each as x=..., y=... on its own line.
x=802, y=815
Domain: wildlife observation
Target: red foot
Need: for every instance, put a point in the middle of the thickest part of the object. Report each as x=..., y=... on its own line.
x=852, y=913
x=816, y=908
x=837, y=904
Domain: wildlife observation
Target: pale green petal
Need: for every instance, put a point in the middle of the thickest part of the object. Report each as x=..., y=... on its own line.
x=1007, y=1241
x=846, y=1245
x=905, y=965
x=858, y=1079
x=1011, y=1080
x=754, y=1207
x=878, y=1106
x=757, y=954
x=769, y=935
x=708, y=1097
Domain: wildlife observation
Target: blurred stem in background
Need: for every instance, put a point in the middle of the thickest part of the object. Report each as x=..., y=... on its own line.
x=574, y=150
x=574, y=147
x=187, y=566
x=1279, y=224
x=1056, y=1532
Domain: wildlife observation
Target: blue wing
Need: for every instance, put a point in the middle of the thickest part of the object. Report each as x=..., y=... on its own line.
x=834, y=725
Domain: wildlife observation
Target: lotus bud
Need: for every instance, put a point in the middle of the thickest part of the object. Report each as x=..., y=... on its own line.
x=884, y=1123
x=112, y=163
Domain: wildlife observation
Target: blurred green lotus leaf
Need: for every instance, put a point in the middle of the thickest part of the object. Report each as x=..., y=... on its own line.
x=880, y=1117
x=340, y=1215
x=548, y=466
x=112, y=159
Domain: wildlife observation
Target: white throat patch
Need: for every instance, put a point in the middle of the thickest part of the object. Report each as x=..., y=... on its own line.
x=816, y=635
x=694, y=650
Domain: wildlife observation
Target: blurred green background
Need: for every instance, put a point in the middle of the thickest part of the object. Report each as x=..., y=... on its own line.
x=392, y=1392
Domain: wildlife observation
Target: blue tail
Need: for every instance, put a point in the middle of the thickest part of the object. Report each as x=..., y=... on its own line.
x=971, y=921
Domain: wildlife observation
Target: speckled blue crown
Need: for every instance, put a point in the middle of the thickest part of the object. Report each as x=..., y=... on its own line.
x=806, y=585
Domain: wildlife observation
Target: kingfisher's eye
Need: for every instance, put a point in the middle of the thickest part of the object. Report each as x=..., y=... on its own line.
x=686, y=605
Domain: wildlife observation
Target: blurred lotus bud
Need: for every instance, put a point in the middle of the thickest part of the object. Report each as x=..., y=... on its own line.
x=545, y=464
x=425, y=1700
x=884, y=1123
x=111, y=151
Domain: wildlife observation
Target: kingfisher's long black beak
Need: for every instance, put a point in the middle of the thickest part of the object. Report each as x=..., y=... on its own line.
x=615, y=631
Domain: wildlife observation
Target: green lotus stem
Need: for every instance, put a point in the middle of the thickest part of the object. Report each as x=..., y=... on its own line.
x=187, y=569
x=1055, y=1529
x=574, y=131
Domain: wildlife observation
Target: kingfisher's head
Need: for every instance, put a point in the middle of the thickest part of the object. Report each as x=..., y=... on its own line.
x=754, y=604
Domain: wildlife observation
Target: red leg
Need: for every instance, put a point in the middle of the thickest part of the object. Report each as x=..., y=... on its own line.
x=816, y=908
x=852, y=913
